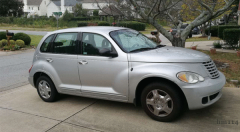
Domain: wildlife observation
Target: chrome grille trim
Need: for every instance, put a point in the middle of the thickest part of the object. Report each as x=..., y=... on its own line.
x=211, y=69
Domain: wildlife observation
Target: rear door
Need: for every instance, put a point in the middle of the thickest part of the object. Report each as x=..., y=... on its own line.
x=62, y=62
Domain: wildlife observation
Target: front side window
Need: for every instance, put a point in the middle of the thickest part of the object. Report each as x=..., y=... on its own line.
x=93, y=43
x=65, y=43
x=46, y=44
x=131, y=41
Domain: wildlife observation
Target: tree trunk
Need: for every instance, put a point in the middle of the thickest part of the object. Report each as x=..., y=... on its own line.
x=203, y=31
x=178, y=42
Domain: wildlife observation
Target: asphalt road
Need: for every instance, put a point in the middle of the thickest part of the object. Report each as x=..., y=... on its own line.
x=14, y=69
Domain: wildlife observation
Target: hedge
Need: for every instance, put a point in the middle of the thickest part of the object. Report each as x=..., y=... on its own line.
x=22, y=36
x=82, y=24
x=214, y=31
x=3, y=35
x=103, y=23
x=133, y=25
x=231, y=36
x=222, y=28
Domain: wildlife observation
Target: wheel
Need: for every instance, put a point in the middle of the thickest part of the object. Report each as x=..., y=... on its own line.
x=190, y=35
x=161, y=102
x=46, y=89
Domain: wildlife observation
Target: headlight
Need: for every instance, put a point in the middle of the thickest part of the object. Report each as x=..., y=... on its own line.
x=189, y=77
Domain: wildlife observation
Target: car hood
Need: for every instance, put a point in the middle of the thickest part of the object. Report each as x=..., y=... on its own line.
x=169, y=54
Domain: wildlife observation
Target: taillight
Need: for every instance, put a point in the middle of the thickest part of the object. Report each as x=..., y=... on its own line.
x=170, y=30
x=30, y=69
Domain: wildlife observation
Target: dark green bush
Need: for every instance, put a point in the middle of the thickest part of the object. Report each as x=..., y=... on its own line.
x=103, y=23
x=95, y=13
x=214, y=31
x=222, y=28
x=231, y=36
x=3, y=35
x=80, y=19
x=22, y=36
x=133, y=25
x=1, y=44
x=232, y=23
x=82, y=24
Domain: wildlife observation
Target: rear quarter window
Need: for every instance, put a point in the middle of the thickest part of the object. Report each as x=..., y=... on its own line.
x=45, y=47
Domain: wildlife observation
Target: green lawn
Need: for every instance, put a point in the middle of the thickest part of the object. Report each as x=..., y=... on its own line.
x=202, y=39
x=35, y=39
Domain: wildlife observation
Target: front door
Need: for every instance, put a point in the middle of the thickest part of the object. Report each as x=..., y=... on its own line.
x=102, y=77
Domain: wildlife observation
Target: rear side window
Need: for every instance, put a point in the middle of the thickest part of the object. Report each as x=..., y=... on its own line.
x=65, y=43
x=46, y=44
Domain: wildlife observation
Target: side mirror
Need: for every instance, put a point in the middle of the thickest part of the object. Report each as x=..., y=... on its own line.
x=108, y=53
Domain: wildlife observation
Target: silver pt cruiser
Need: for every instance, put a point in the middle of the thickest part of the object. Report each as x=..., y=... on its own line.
x=121, y=64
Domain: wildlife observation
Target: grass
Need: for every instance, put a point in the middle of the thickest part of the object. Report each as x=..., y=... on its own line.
x=35, y=39
x=233, y=71
x=202, y=39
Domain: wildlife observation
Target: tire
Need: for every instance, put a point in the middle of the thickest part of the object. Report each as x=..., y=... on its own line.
x=162, y=108
x=48, y=93
x=190, y=35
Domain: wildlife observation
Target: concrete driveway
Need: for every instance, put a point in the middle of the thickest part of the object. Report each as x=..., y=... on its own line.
x=22, y=110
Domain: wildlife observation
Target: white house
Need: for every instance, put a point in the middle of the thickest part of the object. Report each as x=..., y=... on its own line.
x=32, y=7
x=92, y=5
x=60, y=6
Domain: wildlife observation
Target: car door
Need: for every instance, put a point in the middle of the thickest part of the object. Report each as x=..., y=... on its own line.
x=101, y=76
x=62, y=62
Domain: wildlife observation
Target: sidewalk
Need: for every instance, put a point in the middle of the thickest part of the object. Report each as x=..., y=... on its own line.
x=21, y=109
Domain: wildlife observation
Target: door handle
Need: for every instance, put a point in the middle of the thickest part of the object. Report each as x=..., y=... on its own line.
x=83, y=62
x=49, y=60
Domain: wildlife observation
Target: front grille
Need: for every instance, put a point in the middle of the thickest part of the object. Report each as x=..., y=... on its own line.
x=211, y=69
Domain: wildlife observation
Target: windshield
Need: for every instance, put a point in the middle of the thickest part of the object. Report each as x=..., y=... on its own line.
x=131, y=40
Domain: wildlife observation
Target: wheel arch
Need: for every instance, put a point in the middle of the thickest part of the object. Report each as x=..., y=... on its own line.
x=144, y=82
x=39, y=74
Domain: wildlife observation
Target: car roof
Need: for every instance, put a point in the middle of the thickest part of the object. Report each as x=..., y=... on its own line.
x=91, y=29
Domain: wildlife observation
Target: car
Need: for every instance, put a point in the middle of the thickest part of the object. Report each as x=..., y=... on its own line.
x=173, y=31
x=196, y=30
x=121, y=64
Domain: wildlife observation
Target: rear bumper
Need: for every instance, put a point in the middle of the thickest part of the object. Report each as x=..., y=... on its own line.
x=205, y=93
x=30, y=79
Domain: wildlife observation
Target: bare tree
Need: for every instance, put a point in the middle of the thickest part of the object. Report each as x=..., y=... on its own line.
x=153, y=10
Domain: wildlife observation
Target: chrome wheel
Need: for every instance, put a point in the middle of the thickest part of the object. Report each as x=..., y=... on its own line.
x=44, y=89
x=159, y=103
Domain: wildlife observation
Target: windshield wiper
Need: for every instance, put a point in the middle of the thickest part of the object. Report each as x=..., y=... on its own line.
x=141, y=49
x=159, y=46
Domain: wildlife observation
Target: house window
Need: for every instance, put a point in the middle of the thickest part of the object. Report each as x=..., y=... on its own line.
x=38, y=8
x=29, y=8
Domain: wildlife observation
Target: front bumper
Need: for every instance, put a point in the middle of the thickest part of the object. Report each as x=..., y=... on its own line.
x=205, y=93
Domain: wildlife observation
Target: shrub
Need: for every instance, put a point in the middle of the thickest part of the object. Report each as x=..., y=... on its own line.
x=213, y=31
x=80, y=19
x=12, y=42
x=67, y=16
x=82, y=24
x=217, y=45
x=232, y=23
x=222, y=28
x=3, y=35
x=231, y=36
x=4, y=42
x=22, y=36
x=103, y=24
x=1, y=44
x=133, y=25
x=6, y=48
x=20, y=43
